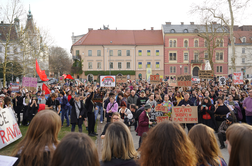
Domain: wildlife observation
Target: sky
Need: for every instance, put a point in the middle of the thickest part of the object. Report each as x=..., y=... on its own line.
x=62, y=17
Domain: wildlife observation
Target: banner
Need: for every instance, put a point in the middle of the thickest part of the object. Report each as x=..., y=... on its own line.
x=108, y=81
x=238, y=78
x=121, y=79
x=9, y=130
x=30, y=83
x=185, y=114
x=162, y=118
x=172, y=82
x=160, y=108
x=222, y=81
x=15, y=87
x=206, y=74
x=184, y=80
x=195, y=80
x=154, y=79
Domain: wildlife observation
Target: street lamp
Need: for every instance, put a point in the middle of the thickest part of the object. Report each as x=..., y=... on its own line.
x=180, y=68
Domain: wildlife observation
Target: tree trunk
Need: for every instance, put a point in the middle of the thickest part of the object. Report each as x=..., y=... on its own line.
x=232, y=36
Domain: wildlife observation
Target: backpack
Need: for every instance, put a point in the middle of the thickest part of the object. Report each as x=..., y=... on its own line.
x=138, y=112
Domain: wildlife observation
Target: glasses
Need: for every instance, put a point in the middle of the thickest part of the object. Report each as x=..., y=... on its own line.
x=116, y=118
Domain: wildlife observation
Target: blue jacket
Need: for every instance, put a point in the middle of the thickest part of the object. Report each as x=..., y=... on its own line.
x=64, y=102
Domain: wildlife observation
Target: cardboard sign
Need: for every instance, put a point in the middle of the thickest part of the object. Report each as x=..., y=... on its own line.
x=222, y=80
x=97, y=100
x=121, y=79
x=9, y=130
x=160, y=108
x=154, y=79
x=238, y=78
x=15, y=88
x=184, y=80
x=61, y=80
x=30, y=83
x=195, y=80
x=185, y=114
x=206, y=74
x=162, y=118
x=172, y=82
x=108, y=81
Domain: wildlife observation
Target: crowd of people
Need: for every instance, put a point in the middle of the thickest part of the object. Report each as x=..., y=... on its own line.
x=222, y=109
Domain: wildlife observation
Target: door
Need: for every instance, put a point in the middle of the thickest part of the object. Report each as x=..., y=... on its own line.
x=196, y=71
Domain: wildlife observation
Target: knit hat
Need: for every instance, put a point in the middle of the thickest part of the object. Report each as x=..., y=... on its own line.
x=147, y=106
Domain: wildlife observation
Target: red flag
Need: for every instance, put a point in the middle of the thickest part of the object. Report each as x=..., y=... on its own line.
x=69, y=77
x=41, y=107
x=41, y=73
x=64, y=75
x=46, y=89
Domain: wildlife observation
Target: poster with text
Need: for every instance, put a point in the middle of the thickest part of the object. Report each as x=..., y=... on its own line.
x=9, y=130
x=184, y=80
x=30, y=83
x=185, y=114
x=108, y=81
x=238, y=78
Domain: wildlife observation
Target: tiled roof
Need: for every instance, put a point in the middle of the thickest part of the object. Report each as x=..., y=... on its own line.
x=191, y=28
x=4, y=30
x=239, y=34
x=121, y=37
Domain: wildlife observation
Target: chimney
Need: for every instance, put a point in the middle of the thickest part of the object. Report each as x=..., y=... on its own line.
x=168, y=23
x=192, y=23
x=144, y=29
x=182, y=23
x=90, y=29
x=214, y=22
x=152, y=28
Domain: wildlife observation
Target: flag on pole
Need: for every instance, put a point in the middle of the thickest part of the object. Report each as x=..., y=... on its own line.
x=46, y=89
x=41, y=73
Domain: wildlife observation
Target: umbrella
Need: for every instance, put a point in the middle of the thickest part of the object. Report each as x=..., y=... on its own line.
x=69, y=77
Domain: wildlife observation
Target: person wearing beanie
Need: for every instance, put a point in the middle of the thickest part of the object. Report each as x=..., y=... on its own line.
x=222, y=131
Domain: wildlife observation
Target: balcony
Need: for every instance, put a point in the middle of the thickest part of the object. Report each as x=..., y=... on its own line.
x=197, y=61
x=77, y=57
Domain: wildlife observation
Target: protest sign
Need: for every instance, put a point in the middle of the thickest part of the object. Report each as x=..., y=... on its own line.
x=160, y=108
x=30, y=83
x=162, y=118
x=108, y=81
x=7, y=160
x=15, y=87
x=185, y=114
x=195, y=80
x=222, y=80
x=206, y=74
x=121, y=79
x=61, y=80
x=154, y=79
x=238, y=78
x=184, y=80
x=172, y=82
x=9, y=130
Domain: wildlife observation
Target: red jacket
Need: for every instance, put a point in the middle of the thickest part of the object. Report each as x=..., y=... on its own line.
x=143, y=123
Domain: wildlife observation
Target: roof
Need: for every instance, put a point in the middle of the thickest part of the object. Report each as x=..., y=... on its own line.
x=167, y=28
x=4, y=30
x=240, y=34
x=121, y=37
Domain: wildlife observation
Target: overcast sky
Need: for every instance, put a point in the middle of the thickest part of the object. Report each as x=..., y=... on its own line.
x=62, y=17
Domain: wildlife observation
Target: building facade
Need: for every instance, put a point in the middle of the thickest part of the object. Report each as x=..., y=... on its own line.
x=186, y=52
x=119, y=52
x=243, y=51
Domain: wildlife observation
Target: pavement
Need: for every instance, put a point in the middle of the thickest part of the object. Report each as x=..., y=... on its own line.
x=99, y=141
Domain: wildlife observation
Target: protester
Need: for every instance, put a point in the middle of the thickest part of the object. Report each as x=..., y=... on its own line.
x=141, y=100
x=116, y=117
x=221, y=110
x=207, y=150
x=222, y=131
x=75, y=149
x=126, y=114
x=132, y=99
x=167, y=144
x=64, y=104
x=18, y=106
x=118, y=148
x=32, y=108
x=98, y=106
x=52, y=103
x=40, y=140
x=247, y=105
x=239, y=144
x=112, y=107
x=206, y=113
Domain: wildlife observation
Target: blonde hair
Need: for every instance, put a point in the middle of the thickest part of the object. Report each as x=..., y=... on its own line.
x=118, y=143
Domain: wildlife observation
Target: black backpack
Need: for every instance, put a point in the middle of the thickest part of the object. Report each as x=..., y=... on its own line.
x=138, y=112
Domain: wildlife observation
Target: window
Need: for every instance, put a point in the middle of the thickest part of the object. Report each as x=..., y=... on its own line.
x=128, y=65
x=205, y=43
x=119, y=65
x=170, y=43
x=219, y=69
x=157, y=65
x=98, y=52
x=219, y=56
x=186, y=43
x=98, y=65
x=185, y=69
x=174, y=43
x=196, y=56
x=77, y=52
x=234, y=39
x=90, y=65
x=173, y=56
x=243, y=60
x=139, y=52
x=221, y=43
x=244, y=39
x=173, y=69
x=185, y=56
x=119, y=53
x=89, y=52
x=196, y=43
x=196, y=31
x=148, y=64
x=206, y=55
x=157, y=52
x=172, y=31
x=140, y=66
x=218, y=43
x=243, y=50
x=110, y=52
x=128, y=52
x=111, y=65
x=148, y=52
x=185, y=31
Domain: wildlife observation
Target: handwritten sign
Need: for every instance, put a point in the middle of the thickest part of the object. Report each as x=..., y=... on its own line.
x=172, y=82
x=185, y=114
x=195, y=80
x=154, y=79
x=9, y=130
x=160, y=108
x=162, y=118
x=97, y=100
x=121, y=79
x=184, y=80
x=206, y=74
x=61, y=80
x=238, y=78
x=30, y=83
x=15, y=88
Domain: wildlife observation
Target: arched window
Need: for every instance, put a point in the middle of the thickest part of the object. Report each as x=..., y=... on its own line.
x=185, y=43
x=170, y=43
x=174, y=43
x=221, y=43
x=218, y=43
x=172, y=31
x=185, y=31
x=196, y=43
x=196, y=31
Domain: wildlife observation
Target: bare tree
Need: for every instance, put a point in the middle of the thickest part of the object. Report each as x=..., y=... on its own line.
x=59, y=60
x=219, y=10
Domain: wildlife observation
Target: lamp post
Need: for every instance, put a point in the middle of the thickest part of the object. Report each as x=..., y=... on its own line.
x=180, y=68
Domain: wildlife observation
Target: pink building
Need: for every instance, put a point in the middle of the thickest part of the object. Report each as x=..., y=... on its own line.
x=185, y=52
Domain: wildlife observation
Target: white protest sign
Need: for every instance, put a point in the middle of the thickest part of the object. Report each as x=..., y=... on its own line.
x=7, y=160
x=222, y=80
x=9, y=130
x=238, y=78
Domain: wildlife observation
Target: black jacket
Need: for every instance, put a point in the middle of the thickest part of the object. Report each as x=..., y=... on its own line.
x=89, y=105
x=117, y=162
x=18, y=106
x=183, y=102
x=73, y=113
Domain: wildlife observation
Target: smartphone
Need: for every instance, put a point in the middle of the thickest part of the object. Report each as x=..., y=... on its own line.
x=203, y=105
